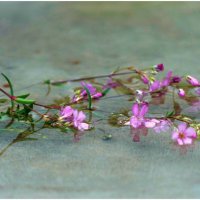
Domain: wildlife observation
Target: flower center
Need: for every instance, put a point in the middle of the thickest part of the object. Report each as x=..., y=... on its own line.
x=181, y=135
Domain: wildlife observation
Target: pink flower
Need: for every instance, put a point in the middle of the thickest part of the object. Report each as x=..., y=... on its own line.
x=66, y=112
x=138, y=119
x=193, y=81
x=78, y=120
x=74, y=118
x=181, y=92
x=184, y=135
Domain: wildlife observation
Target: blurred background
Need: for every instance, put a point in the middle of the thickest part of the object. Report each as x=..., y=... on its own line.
x=54, y=40
x=67, y=38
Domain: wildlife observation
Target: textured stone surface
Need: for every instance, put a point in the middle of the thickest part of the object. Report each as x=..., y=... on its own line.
x=44, y=40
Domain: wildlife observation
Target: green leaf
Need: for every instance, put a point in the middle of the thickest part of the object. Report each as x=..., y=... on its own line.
x=89, y=98
x=10, y=84
x=24, y=101
x=11, y=88
x=105, y=91
x=47, y=82
x=23, y=96
x=170, y=113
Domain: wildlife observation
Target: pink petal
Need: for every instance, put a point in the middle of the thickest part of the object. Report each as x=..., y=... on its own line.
x=66, y=111
x=81, y=116
x=135, y=122
x=180, y=141
x=169, y=74
x=187, y=141
x=175, y=135
x=150, y=124
x=144, y=110
x=190, y=132
x=165, y=82
x=155, y=85
x=97, y=95
x=135, y=109
x=182, y=127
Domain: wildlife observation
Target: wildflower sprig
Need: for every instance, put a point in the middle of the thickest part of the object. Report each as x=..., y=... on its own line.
x=143, y=89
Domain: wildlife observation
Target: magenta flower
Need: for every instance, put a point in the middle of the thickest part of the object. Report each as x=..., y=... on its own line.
x=78, y=120
x=193, y=81
x=181, y=92
x=159, y=67
x=138, y=119
x=184, y=135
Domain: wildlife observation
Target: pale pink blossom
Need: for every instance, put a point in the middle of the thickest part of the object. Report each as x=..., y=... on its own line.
x=74, y=118
x=138, y=119
x=184, y=135
x=78, y=120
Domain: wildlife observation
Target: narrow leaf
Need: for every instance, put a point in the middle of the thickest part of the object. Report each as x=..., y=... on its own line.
x=89, y=98
x=23, y=96
x=11, y=88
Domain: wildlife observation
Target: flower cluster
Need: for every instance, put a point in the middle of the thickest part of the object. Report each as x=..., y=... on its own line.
x=185, y=129
x=73, y=117
x=183, y=135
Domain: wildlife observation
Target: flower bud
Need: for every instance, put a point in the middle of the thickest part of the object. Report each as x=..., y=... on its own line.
x=176, y=79
x=159, y=67
x=145, y=79
x=193, y=81
x=181, y=93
